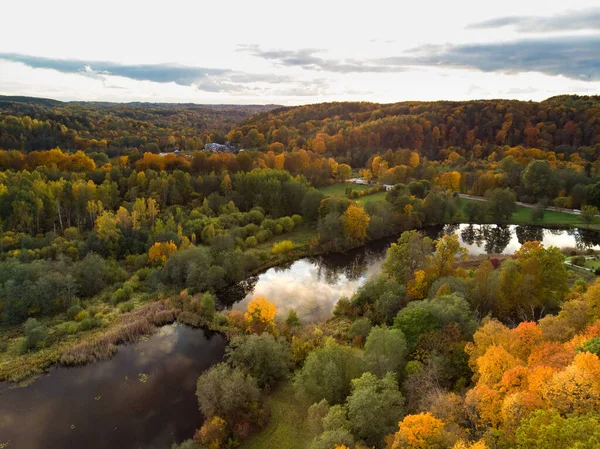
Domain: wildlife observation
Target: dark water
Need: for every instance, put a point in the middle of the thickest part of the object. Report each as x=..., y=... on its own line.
x=312, y=286
x=107, y=405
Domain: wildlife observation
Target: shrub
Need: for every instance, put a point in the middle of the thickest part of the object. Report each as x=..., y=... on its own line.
x=297, y=219
x=578, y=260
x=251, y=242
x=81, y=315
x=282, y=247
x=90, y=323
x=67, y=328
x=36, y=335
x=286, y=223
x=125, y=306
x=73, y=311
x=360, y=328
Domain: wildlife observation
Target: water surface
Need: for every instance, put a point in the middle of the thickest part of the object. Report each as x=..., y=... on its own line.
x=144, y=397
x=312, y=286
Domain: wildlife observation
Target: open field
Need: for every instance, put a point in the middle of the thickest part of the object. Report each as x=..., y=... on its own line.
x=287, y=428
x=522, y=215
x=339, y=190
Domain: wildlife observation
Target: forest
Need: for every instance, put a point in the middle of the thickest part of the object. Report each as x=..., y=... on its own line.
x=114, y=221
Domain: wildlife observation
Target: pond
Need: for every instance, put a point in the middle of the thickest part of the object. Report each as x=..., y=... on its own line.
x=144, y=397
x=313, y=285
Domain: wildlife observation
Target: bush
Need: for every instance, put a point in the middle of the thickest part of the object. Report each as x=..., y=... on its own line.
x=282, y=247
x=36, y=335
x=73, y=311
x=578, y=260
x=81, y=315
x=297, y=219
x=360, y=328
x=90, y=323
x=125, y=306
x=251, y=242
x=67, y=328
x=286, y=223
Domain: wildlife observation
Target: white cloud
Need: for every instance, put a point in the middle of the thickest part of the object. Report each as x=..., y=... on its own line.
x=353, y=62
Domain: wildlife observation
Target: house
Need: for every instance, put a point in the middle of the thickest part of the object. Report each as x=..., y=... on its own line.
x=388, y=187
x=227, y=147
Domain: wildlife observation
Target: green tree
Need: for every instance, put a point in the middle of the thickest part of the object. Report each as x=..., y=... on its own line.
x=539, y=179
x=264, y=358
x=327, y=373
x=385, y=351
x=407, y=256
x=501, y=203
x=374, y=408
x=547, y=429
x=229, y=394
x=588, y=214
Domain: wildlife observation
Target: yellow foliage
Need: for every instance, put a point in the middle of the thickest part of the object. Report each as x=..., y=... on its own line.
x=356, y=223
x=260, y=315
x=282, y=247
x=417, y=286
x=160, y=252
x=419, y=432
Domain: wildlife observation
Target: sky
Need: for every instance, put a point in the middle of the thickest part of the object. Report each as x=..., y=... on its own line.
x=274, y=52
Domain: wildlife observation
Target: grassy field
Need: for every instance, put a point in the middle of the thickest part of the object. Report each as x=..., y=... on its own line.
x=523, y=216
x=339, y=190
x=287, y=428
x=379, y=196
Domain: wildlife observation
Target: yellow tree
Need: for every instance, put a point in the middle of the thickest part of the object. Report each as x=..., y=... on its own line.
x=356, y=223
x=447, y=250
x=420, y=431
x=344, y=172
x=160, y=252
x=414, y=159
x=260, y=316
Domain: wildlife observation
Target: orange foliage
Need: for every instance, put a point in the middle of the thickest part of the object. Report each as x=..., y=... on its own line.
x=260, y=316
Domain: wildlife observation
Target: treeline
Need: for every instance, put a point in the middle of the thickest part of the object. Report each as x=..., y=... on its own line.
x=30, y=124
x=358, y=130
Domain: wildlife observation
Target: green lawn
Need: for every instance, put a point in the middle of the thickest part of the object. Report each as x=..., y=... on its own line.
x=379, y=196
x=523, y=216
x=339, y=190
x=287, y=428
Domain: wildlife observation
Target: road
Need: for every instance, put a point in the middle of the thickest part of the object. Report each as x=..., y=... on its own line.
x=530, y=206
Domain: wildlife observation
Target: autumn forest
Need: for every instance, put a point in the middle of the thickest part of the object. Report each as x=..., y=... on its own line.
x=117, y=220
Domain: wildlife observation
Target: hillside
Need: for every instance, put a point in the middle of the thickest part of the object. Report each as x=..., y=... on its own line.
x=30, y=124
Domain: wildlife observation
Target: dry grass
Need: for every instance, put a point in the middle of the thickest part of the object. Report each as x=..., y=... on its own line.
x=142, y=321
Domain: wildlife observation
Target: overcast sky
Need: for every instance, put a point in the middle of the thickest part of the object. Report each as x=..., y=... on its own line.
x=299, y=52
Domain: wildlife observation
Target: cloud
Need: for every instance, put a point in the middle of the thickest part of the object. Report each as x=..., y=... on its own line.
x=201, y=78
x=307, y=59
x=587, y=19
x=159, y=73
x=575, y=57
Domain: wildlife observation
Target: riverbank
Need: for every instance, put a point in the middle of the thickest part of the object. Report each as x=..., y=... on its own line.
x=17, y=367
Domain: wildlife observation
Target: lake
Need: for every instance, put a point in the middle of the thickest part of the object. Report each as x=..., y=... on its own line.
x=144, y=397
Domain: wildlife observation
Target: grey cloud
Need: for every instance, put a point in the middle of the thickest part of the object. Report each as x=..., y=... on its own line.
x=307, y=59
x=573, y=57
x=204, y=79
x=587, y=19
x=159, y=73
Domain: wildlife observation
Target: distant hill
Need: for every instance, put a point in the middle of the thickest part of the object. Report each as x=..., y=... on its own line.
x=28, y=124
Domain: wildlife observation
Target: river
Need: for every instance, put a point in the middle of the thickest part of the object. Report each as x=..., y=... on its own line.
x=144, y=397
x=313, y=285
